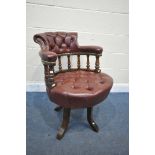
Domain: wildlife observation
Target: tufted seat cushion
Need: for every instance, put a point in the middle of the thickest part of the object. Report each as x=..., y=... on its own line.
x=78, y=89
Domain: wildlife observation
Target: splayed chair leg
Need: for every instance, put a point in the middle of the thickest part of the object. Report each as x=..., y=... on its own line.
x=64, y=125
x=58, y=108
x=91, y=122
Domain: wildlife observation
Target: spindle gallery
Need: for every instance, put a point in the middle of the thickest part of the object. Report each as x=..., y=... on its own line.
x=72, y=87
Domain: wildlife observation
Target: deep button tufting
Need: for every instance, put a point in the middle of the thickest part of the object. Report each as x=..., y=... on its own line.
x=78, y=89
x=61, y=50
x=59, y=40
x=65, y=42
x=53, y=41
x=102, y=82
x=72, y=40
x=90, y=88
x=64, y=46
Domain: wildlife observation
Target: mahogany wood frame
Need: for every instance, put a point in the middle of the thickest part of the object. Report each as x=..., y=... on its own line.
x=49, y=79
x=66, y=117
x=49, y=66
x=50, y=83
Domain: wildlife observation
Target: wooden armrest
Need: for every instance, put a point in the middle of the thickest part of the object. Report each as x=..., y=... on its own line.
x=49, y=61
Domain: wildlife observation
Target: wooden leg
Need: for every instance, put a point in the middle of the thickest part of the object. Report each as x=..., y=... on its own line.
x=92, y=123
x=65, y=122
x=58, y=108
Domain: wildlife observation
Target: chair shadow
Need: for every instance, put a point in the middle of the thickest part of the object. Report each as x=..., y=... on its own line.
x=102, y=113
x=46, y=109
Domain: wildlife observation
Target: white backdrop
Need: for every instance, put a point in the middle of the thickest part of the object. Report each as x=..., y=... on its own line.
x=99, y=22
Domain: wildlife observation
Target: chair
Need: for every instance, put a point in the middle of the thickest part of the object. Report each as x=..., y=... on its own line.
x=72, y=87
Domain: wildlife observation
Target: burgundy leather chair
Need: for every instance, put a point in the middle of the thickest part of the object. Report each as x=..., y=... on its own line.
x=72, y=87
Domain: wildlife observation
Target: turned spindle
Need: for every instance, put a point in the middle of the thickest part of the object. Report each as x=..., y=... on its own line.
x=59, y=61
x=97, y=64
x=78, y=61
x=69, y=62
x=49, y=76
x=88, y=63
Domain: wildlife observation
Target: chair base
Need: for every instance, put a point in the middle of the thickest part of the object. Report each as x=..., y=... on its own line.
x=91, y=122
x=66, y=117
x=64, y=124
x=58, y=108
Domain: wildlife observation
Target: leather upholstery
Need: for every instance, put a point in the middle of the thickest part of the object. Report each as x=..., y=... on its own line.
x=72, y=89
x=58, y=42
x=80, y=89
x=63, y=42
x=48, y=56
x=91, y=49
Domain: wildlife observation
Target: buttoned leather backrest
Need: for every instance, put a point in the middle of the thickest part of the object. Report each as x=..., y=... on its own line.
x=58, y=42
